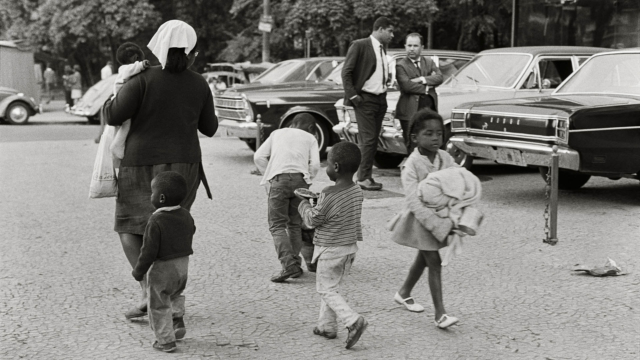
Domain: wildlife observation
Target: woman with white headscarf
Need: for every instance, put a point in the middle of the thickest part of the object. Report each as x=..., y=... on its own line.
x=167, y=105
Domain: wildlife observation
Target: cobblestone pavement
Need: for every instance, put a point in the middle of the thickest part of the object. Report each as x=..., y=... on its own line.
x=65, y=283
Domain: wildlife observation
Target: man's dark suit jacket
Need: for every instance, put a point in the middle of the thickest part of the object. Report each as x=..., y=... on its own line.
x=410, y=91
x=358, y=67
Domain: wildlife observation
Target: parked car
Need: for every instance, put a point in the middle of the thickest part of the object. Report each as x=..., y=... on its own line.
x=235, y=74
x=315, y=93
x=285, y=90
x=491, y=75
x=593, y=118
x=15, y=107
x=90, y=103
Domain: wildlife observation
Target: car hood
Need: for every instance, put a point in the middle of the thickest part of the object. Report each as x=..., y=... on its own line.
x=562, y=105
x=260, y=92
x=8, y=91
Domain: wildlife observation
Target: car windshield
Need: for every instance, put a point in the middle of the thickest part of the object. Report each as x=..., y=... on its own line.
x=336, y=75
x=497, y=70
x=286, y=71
x=606, y=74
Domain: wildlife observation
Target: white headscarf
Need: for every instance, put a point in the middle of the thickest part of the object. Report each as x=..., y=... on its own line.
x=172, y=34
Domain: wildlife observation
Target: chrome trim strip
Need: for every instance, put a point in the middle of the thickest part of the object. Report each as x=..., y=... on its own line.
x=606, y=129
x=512, y=134
x=521, y=115
x=592, y=93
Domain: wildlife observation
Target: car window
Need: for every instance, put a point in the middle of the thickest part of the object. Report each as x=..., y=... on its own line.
x=496, y=70
x=554, y=71
x=582, y=59
x=322, y=70
x=449, y=66
x=607, y=74
x=336, y=75
x=291, y=70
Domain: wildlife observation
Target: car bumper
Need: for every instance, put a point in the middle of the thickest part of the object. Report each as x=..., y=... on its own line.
x=241, y=129
x=389, y=141
x=515, y=152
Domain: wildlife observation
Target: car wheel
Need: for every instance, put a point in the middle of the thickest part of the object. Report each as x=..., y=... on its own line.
x=567, y=179
x=17, y=113
x=460, y=157
x=93, y=119
x=387, y=160
x=251, y=143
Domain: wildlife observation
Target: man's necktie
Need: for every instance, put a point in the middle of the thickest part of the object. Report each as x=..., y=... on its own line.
x=384, y=69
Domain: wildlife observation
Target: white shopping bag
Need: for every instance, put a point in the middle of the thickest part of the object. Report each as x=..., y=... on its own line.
x=103, y=179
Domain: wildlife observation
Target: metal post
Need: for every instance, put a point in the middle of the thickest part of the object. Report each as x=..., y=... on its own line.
x=265, y=35
x=553, y=216
x=258, y=131
x=514, y=23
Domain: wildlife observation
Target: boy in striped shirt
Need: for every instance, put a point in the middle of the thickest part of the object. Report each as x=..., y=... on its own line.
x=336, y=219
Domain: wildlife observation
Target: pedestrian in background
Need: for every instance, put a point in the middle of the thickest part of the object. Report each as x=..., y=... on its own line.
x=50, y=80
x=337, y=220
x=164, y=258
x=427, y=131
x=365, y=76
x=417, y=78
x=165, y=120
x=289, y=159
x=76, y=86
x=107, y=70
x=67, y=84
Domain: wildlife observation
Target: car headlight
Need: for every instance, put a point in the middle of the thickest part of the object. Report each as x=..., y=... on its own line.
x=248, y=110
x=458, y=119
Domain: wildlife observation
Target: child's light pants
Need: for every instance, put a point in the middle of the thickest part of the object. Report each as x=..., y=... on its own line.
x=166, y=280
x=330, y=274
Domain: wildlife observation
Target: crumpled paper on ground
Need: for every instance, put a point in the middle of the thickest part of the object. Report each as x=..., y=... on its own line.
x=610, y=268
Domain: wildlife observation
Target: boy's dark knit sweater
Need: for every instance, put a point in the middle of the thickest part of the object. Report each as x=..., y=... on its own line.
x=166, y=112
x=168, y=235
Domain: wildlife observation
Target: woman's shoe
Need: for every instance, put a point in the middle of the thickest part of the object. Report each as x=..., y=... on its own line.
x=446, y=321
x=329, y=335
x=415, y=307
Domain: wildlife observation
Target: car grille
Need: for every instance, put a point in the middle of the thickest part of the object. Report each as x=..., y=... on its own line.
x=512, y=126
x=230, y=108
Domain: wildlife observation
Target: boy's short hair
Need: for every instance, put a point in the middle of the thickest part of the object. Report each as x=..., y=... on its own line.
x=347, y=155
x=303, y=121
x=172, y=185
x=128, y=53
x=420, y=118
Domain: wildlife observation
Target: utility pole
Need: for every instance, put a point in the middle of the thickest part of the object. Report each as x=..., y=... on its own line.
x=514, y=23
x=265, y=34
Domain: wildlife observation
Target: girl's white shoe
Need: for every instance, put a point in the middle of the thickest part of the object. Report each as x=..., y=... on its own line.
x=415, y=307
x=446, y=321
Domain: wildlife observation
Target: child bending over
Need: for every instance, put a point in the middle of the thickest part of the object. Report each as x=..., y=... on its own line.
x=164, y=258
x=336, y=219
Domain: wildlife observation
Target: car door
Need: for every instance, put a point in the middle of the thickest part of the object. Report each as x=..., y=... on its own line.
x=545, y=75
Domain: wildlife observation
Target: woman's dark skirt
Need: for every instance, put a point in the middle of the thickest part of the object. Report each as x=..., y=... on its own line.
x=133, y=204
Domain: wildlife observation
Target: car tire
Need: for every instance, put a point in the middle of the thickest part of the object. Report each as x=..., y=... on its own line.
x=17, y=113
x=387, y=160
x=567, y=179
x=460, y=157
x=251, y=143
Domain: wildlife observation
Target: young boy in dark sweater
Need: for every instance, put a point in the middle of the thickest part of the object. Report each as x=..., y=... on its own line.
x=338, y=228
x=164, y=257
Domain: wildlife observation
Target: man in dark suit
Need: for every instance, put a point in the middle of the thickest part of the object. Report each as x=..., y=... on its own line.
x=365, y=76
x=417, y=77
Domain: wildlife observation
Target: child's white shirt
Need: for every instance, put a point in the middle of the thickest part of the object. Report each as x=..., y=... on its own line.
x=126, y=72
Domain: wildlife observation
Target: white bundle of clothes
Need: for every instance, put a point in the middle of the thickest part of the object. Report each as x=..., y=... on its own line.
x=452, y=193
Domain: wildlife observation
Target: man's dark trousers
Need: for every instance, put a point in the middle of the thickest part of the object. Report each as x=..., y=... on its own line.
x=425, y=102
x=369, y=115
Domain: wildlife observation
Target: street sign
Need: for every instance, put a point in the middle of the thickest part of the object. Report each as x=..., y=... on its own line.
x=265, y=26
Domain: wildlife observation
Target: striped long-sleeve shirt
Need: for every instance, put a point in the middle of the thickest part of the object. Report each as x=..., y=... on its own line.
x=336, y=217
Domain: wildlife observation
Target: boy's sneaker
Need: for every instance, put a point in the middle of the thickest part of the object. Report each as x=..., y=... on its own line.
x=329, y=335
x=165, y=347
x=291, y=271
x=179, y=329
x=355, y=331
x=135, y=313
